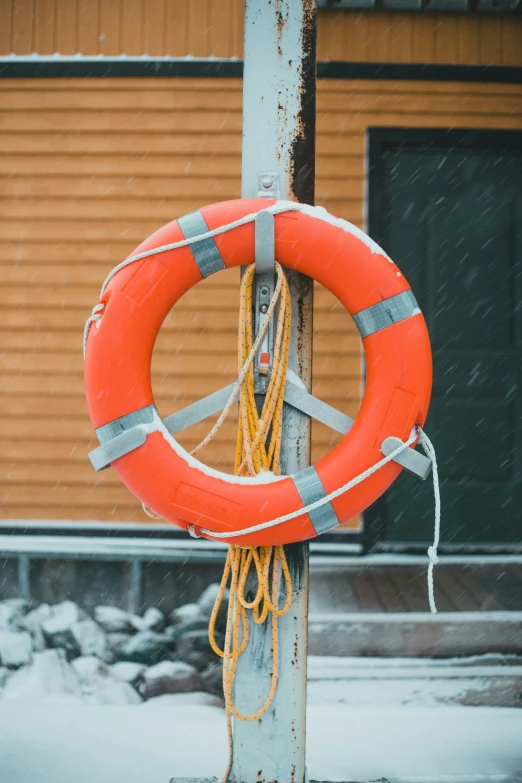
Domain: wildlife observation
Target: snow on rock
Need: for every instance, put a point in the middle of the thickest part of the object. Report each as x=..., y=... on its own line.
x=4, y=676
x=115, y=620
x=116, y=641
x=89, y=638
x=146, y=647
x=87, y=666
x=184, y=699
x=206, y=603
x=170, y=677
x=175, y=632
x=194, y=648
x=57, y=626
x=184, y=613
x=15, y=648
x=108, y=690
x=11, y=613
x=61, y=617
x=154, y=619
x=99, y=686
x=127, y=671
x=212, y=677
x=48, y=678
x=32, y=622
x=208, y=597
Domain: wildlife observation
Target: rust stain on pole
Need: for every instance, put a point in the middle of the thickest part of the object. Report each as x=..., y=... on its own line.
x=302, y=155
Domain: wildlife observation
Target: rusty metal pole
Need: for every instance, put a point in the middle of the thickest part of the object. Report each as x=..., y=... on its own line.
x=279, y=161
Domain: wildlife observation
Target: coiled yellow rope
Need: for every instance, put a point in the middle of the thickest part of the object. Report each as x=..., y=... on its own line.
x=258, y=449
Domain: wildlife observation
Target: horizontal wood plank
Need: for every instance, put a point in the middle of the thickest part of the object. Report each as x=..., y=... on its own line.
x=89, y=169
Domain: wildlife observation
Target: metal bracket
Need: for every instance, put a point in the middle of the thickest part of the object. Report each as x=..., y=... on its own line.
x=121, y=436
x=294, y=395
x=268, y=185
x=124, y=435
x=265, y=243
x=198, y=411
x=101, y=457
x=317, y=409
x=264, y=281
x=411, y=460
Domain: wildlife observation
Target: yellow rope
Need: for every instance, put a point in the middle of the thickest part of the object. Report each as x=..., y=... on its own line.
x=258, y=449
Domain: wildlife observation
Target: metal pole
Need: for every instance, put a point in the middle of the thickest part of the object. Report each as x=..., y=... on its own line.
x=279, y=161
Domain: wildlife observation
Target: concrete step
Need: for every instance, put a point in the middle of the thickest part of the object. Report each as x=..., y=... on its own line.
x=415, y=634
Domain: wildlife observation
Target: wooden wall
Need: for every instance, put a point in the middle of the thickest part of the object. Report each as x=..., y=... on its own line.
x=204, y=28
x=88, y=169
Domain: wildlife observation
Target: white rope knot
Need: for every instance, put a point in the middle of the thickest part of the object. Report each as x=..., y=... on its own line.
x=95, y=317
x=192, y=531
x=433, y=556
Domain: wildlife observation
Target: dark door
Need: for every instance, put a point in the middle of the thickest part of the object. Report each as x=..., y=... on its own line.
x=447, y=207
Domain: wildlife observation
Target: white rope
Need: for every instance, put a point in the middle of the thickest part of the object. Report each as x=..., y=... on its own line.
x=275, y=209
x=95, y=317
x=248, y=362
x=318, y=503
x=427, y=445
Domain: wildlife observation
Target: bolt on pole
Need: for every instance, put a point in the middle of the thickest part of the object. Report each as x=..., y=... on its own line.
x=279, y=162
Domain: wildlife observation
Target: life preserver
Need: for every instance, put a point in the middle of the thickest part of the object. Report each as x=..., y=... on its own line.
x=118, y=358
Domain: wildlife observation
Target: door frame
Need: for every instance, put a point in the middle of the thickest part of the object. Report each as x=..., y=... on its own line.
x=378, y=141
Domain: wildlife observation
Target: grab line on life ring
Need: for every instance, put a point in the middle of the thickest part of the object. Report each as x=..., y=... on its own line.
x=187, y=492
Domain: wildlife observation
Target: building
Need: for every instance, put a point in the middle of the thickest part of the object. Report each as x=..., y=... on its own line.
x=137, y=120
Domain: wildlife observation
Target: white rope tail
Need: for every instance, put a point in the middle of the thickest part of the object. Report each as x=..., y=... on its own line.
x=427, y=445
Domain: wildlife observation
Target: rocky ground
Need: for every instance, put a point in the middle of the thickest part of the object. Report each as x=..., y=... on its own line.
x=58, y=653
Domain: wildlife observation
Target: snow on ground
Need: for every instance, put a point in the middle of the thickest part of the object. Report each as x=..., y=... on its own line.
x=367, y=719
x=105, y=744
x=485, y=679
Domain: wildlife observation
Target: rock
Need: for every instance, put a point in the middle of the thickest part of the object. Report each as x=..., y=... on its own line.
x=146, y=647
x=57, y=627
x=11, y=613
x=117, y=640
x=175, y=632
x=76, y=637
x=126, y=671
x=48, y=678
x=61, y=617
x=108, y=690
x=212, y=678
x=184, y=699
x=32, y=622
x=170, y=677
x=207, y=599
x=15, y=648
x=88, y=667
x=206, y=603
x=115, y=620
x=4, y=676
x=99, y=686
x=194, y=648
x=89, y=638
x=184, y=613
x=154, y=619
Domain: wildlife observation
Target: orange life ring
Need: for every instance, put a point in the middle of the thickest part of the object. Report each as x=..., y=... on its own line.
x=118, y=357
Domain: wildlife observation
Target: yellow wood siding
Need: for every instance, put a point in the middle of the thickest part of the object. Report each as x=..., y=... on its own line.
x=88, y=169
x=214, y=28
